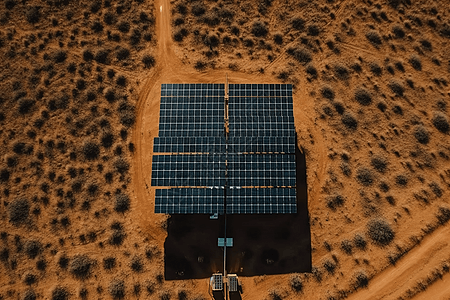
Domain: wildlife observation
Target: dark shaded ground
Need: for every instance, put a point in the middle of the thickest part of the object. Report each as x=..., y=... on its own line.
x=263, y=244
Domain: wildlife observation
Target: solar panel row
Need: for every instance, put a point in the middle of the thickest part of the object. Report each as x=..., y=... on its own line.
x=189, y=201
x=264, y=144
x=239, y=201
x=261, y=170
x=189, y=144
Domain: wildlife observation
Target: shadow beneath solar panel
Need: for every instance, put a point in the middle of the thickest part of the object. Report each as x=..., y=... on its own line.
x=273, y=244
x=263, y=244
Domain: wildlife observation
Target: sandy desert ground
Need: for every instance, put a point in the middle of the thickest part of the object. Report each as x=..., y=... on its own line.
x=79, y=100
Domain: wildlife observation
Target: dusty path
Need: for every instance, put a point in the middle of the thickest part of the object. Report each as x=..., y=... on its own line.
x=416, y=265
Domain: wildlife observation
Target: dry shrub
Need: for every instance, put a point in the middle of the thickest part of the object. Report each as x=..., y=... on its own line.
x=109, y=263
x=117, y=288
x=379, y=163
x=365, y=176
x=415, y=62
x=295, y=282
x=398, y=31
x=122, y=203
x=32, y=248
x=443, y=215
x=360, y=241
x=341, y=72
x=401, y=180
x=60, y=293
x=29, y=295
x=349, y=121
x=347, y=247
x=19, y=210
x=259, y=29
x=80, y=267
x=396, y=87
x=380, y=232
x=374, y=37
x=298, y=23
x=330, y=266
x=91, y=150
x=421, y=134
x=136, y=264
x=361, y=280
x=440, y=121
x=335, y=201
x=327, y=92
x=363, y=96
x=300, y=53
x=148, y=60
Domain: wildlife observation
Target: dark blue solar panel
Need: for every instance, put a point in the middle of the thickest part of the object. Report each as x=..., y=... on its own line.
x=189, y=145
x=270, y=170
x=188, y=170
x=257, y=153
x=261, y=201
x=261, y=144
x=189, y=201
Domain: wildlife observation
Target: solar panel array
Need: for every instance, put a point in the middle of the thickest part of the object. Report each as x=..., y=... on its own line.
x=248, y=170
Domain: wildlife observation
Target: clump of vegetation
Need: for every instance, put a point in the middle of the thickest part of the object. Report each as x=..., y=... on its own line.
x=398, y=31
x=415, y=62
x=300, y=53
x=80, y=267
x=330, y=266
x=365, y=176
x=91, y=150
x=401, y=180
x=361, y=280
x=117, y=288
x=136, y=264
x=421, y=134
x=296, y=282
x=380, y=232
x=440, y=121
x=349, y=121
x=347, y=247
x=29, y=295
x=148, y=60
x=360, y=241
x=109, y=263
x=396, y=87
x=327, y=92
x=374, y=37
x=335, y=201
x=298, y=23
x=443, y=215
x=122, y=203
x=363, y=96
x=19, y=211
x=341, y=72
x=29, y=278
x=379, y=163
x=60, y=293
x=32, y=248
x=259, y=29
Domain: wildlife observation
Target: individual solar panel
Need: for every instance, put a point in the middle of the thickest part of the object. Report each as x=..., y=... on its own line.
x=261, y=144
x=269, y=170
x=192, y=110
x=188, y=170
x=261, y=201
x=189, y=201
x=189, y=145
